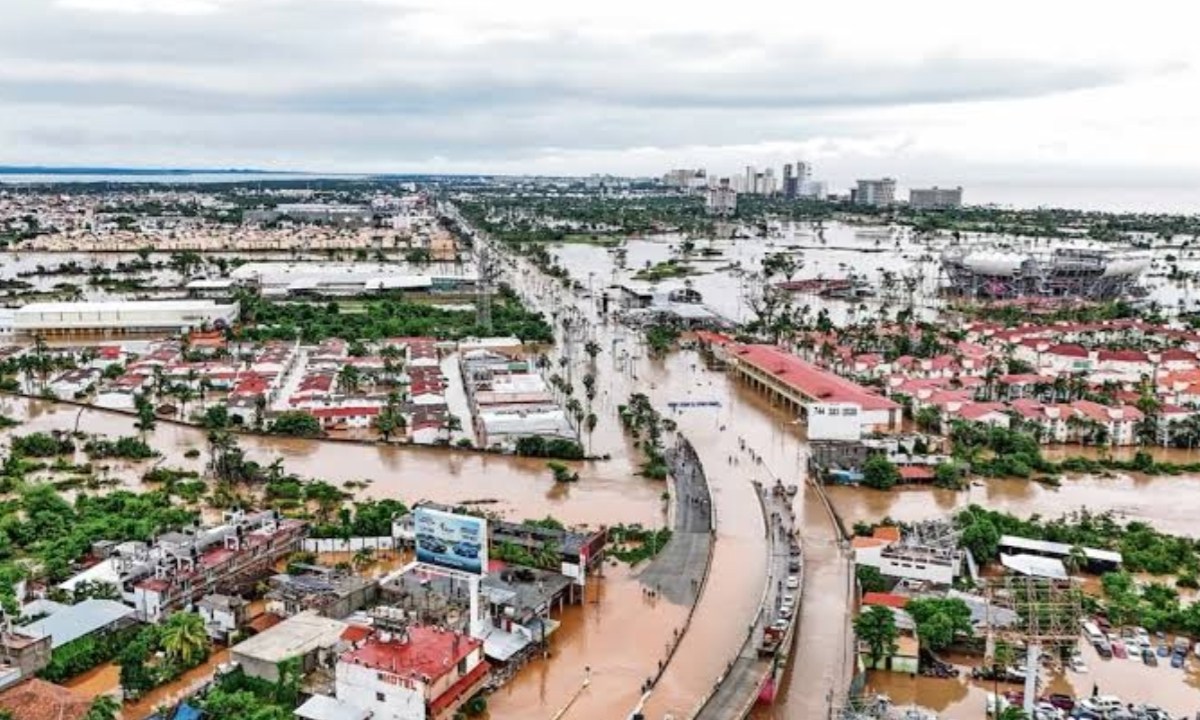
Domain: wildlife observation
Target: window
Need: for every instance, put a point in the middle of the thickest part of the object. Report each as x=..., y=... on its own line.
x=379, y=697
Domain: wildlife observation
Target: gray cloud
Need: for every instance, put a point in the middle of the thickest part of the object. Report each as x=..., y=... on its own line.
x=347, y=81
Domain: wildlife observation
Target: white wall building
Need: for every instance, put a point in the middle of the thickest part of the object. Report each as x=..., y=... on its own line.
x=876, y=192
x=423, y=674
x=834, y=421
x=140, y=316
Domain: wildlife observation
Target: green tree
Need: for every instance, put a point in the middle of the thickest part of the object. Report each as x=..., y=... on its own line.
x=185, y=639
x=870, y=579
x=880, y=473
x=876, y=627
x=940, y=620
x=295, y=423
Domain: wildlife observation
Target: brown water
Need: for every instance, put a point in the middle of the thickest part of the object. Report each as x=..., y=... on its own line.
x=106, y=678
x=1177, y=691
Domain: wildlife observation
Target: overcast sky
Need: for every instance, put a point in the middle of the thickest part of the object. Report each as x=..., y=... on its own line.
x=926, y=90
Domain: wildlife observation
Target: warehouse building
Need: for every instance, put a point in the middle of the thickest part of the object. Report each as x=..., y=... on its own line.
x=65, y=319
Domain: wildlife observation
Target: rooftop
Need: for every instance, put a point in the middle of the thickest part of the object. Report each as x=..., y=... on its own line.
x=36, y=699
x=427, y=652
x=76, y=621
x=809, y=379
x=296, y=636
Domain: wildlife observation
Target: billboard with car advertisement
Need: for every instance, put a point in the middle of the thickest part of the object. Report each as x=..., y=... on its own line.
x=456, y=542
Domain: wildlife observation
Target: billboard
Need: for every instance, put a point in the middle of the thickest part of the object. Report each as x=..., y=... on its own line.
x=457, y=542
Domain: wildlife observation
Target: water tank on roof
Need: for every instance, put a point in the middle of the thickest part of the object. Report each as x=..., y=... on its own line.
x=993, y=262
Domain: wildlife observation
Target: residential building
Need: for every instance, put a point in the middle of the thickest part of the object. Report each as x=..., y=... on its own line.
x=910, y=556
x=223, y=615
x=834, y=421
x=92, y=616
x=326, y=591
x=307, y=637
x=935, y=198
x=422, y=673
x=877, y=193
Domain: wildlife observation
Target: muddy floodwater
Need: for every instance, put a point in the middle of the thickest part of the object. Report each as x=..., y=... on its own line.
x=1175, y=690
x=606, y=493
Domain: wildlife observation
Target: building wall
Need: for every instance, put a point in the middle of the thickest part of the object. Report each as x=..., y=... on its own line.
x=834, y=421
x=387, y=696
x=901, y=568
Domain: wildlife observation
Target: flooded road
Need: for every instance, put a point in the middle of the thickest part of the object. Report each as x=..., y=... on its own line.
x=107, y=677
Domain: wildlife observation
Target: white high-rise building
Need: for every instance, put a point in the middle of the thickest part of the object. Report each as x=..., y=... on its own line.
x=935, y=198
x=803, y=172
x=877, y=193
x=722, y=199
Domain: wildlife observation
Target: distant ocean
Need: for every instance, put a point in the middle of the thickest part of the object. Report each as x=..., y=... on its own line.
x=1170, y=199
x=173, y=178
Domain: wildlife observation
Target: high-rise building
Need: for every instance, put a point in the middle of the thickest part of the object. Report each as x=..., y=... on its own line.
x=769, y=187
x=877, y=193
x=751, y=180
x=790, y=185
x=935, y=198
x=803, y=172
x=722, y=199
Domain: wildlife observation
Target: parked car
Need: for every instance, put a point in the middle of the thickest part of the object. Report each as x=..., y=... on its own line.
x=1162, y=650
x=1101, y=705
x=1078, y=665
x=793, y=582
x=1177, y=660
x=1118, y=650
x=1149, y=657
x=1104, y=649
x=1061, y=701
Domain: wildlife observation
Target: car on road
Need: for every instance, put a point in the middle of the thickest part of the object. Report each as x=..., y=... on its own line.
x=1149, y=657
x=1078, y=665
x=1060, y=701
x=1118, y=650
x=794, y=566
x=793, y=582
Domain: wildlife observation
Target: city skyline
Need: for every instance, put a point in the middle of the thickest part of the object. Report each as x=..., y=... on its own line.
x=533, y=88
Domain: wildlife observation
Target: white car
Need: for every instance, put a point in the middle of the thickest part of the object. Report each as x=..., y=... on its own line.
x=1078, y=665
x=793, y=582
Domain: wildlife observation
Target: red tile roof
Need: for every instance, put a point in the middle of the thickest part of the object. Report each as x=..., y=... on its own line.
x=810, y=380
x=1066, y=350
x=885, y=599
x=1123, y=356
x=916, y=473
x=429, y=652
x=36, y=699
x=1177, y=354
x=890, y=533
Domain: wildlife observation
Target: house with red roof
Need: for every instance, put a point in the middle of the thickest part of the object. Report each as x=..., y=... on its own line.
x=1119, y=422
x=1066, y=358
x=423, y=673
x=346, y=417
x=1173, y=359
x=1122, y=365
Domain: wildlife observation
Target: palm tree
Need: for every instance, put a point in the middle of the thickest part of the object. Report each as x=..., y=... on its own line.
x=348, y=379
x=185, y=639
x=1075, y=560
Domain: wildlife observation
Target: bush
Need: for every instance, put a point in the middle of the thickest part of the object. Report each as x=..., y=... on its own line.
x=295, y=423
x=880, y=473
x=41, y=444
x=127, y=448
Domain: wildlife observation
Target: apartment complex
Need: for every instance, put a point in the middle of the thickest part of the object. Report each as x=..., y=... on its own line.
x=935, y=198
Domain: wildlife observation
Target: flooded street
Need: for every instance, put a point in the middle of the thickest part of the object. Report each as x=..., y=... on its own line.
x=106, y=678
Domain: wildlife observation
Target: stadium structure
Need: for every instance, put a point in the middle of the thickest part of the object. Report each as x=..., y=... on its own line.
x=988, y=271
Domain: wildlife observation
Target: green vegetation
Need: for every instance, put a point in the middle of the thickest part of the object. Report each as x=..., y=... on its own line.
x=557, y=448
x=1143, y=548
x=183, y=643
x=384, y=318
x=370, y=518
x=562, y=473
x=7, y=422
x=880, y=473
x=646, y=425
x=128, y=448
x=41, y=445
x=665, y=270
x=295, y=423
x=876, y=628
x=85, y=653
x=236, y=695
x=870, y=579
x=940, y=621
x=634, y=543
x=661, y=338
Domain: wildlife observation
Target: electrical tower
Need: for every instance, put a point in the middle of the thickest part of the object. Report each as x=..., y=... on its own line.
x=1040, y=613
